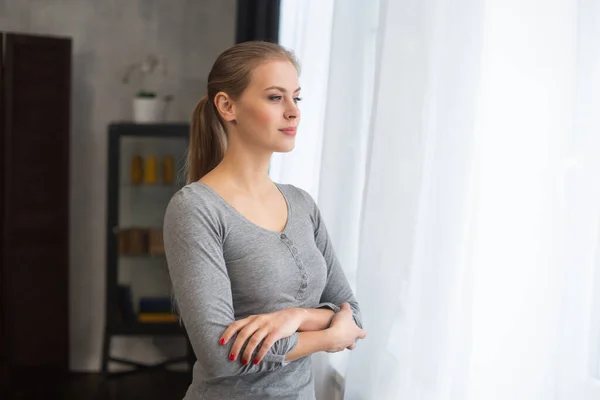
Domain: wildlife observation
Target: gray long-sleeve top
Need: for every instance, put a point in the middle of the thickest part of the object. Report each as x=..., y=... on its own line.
x=223, y=268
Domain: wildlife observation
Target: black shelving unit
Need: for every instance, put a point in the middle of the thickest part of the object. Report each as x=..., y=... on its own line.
x=117, y=324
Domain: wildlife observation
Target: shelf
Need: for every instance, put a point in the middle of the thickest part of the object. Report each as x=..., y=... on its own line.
x=169, y=130
x=158, y=186
x=142, y=256
x=120, y=228
x=135, y=213
x=148, y=328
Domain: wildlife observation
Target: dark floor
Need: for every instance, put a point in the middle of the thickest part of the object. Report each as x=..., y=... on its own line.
x=147, y=385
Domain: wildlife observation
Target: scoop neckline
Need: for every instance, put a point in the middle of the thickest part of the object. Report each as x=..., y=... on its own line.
x=240, y=216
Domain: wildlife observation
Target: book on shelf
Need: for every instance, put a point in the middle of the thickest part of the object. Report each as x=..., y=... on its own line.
x=155, y=305
x=157, y=317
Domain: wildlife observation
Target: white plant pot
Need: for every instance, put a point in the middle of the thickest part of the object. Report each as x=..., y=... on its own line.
x=148, y=110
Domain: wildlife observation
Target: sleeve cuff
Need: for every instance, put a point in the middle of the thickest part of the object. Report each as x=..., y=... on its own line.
x=357, y=319
x=330, y=306
x=280, y=349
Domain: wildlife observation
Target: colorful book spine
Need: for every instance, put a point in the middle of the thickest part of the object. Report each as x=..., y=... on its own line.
x=157, y=317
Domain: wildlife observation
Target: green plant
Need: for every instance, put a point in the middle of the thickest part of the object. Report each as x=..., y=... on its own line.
x=145, y=67
x=145, y=94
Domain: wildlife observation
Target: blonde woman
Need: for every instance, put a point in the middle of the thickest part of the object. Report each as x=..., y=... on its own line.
x=255, y=277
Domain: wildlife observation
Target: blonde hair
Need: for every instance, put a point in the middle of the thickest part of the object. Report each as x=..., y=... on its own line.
x=230, y=74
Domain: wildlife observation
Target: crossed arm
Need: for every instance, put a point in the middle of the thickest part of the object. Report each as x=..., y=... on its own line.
x=320, y=330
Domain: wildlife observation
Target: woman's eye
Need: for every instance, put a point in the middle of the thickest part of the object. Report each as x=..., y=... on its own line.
x=279, y=98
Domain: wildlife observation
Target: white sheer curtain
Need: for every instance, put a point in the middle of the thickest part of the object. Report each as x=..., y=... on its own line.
x=335, y=42
x=458, y=173
x=306, y=28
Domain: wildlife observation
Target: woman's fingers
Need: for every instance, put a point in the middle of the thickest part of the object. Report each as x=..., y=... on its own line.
x=265, y=347
x=248, y=331
x=253, y=343
x=234, y=328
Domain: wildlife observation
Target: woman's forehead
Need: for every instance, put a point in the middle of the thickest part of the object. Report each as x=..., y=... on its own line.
x=280, y=74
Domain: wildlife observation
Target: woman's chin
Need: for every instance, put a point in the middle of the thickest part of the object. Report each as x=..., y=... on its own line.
x=285, y=147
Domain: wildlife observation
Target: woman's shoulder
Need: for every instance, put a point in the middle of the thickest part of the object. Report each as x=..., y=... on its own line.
x=192, y=210
x=191, y=194
x=194, y=199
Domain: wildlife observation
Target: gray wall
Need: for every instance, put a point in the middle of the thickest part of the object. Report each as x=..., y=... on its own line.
x=107, y=36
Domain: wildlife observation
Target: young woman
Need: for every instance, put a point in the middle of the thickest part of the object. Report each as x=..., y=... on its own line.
x=254, y=273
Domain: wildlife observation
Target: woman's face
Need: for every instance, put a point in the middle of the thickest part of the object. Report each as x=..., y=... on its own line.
x=267, y=113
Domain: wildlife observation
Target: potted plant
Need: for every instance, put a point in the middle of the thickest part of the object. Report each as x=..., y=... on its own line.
x=147, y=106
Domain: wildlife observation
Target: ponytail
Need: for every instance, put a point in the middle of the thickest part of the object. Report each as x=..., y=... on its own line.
x=207, y=140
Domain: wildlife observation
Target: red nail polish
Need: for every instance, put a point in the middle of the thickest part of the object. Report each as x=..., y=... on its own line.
x=255, y=362
x=222, y=341
x=232, y=357
x=244, y=362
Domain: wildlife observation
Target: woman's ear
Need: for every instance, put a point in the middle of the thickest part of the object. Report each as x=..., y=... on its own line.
x=225, y=106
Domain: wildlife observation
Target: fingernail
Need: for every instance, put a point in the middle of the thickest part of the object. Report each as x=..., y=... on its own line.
x=231, y=356
x=244, y=362
x=222, y=341
x=255, y=362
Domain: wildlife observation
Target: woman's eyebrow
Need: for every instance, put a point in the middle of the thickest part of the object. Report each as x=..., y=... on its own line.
x=281, y=89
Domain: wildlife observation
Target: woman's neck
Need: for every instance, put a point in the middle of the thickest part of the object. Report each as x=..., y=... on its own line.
x=247, y=171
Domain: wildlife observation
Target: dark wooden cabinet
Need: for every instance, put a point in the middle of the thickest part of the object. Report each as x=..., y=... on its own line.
x=34, y=202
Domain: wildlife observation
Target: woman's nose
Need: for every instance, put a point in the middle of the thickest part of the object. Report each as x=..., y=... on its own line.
x=292, y=112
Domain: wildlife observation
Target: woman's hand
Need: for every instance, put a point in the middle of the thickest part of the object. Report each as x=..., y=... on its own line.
x=268, y=327
x=344, y=330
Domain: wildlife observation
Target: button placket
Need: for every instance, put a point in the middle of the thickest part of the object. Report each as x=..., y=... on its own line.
x=295, y=253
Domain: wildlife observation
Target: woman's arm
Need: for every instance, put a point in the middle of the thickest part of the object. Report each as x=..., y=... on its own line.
x=337, y=289
x=315, y=319
x=341, y=335
x=310, y=343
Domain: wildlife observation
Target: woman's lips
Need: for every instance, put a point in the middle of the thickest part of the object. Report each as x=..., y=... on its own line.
x=291, y=131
